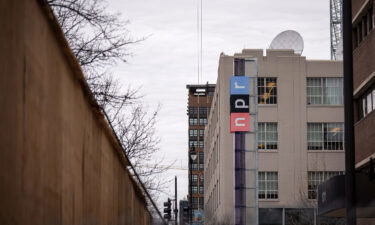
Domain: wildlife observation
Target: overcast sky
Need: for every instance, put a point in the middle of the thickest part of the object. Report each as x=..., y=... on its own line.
x=167, y=61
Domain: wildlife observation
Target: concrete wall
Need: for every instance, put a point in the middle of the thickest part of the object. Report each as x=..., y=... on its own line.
x=59, y=161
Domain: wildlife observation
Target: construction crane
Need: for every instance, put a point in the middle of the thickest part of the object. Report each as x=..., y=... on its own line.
x=336, y=29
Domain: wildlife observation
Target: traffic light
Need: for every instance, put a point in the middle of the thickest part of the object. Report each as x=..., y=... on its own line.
x=167, y=209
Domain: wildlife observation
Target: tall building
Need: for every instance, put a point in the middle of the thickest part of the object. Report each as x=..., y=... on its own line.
x=299, y=137
x=199, y=103
x=333, y=202
x=184, y=212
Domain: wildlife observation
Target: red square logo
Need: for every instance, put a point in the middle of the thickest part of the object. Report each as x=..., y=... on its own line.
x=239, y=122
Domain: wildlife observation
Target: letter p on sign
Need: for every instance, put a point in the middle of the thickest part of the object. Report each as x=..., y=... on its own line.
x=239, y=122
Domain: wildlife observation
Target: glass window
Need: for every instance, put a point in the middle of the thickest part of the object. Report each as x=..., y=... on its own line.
x=268, y=185
x=203, y=111
x=201, y=133
x=267, y=90
x=193, y=121
x=194, y=166
x=202, y=121
x=201, y=202
x=194, y=203
x=201, y=157
x=315, y=178
x=268, y=216
x=367, y=102
x=326, y=91
x=194, y=178
x=299, y=216
x=267, y=136
x=200, y=144
x=193, y=133
x=194, y=189
x=201, y=189
x=201, y=166
x=325, y=136
x=193, y=111
x=193, y=143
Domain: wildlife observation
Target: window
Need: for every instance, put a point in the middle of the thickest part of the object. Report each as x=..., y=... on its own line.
x=194, y=189
x=194, y=179
x=325, y=91
x=193, y=121
x=267, y=90
x=201, y=157
x=325, y=136
x=194, y=166
x=267, y=135
x=201, y=166
x=367, y=102
x=193, y=133
x=201, y=178
x=314, y=179
x=194, y=203
x=193, y=143
x=268, y=185
x=193, y=111
x=200, y=144
x=362, y=27
x=201, y=133
x=201, y=202
x=202, y=121
x=203, y=111
x=201, y=189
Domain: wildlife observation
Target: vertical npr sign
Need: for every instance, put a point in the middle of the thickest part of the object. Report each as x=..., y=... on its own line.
x=239, y=104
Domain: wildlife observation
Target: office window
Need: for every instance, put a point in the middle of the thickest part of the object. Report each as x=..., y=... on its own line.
x=201, y=157
x=194, y=179
x=193, y=121
x=193, y=133
x=194, y=203
x=203, y=111
x=315, y=178
x=200, y=144
x=194, y=166
x=325, y=136
x=193, y=111
x=268, y=185
x=267, y=135
x=201, y=189
x=193, y=143
x=367, y=102
x=267, y=90
x=201, y=178
x=194, y=189
x=202, y=121
x=201, y=202
x=324, y=91
x=362, y=27
x=201, y=133
x=201, y=166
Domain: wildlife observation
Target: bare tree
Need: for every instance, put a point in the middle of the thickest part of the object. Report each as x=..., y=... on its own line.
x=100, y=40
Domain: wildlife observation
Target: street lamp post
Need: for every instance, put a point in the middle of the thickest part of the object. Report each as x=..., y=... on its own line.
x=192, y=157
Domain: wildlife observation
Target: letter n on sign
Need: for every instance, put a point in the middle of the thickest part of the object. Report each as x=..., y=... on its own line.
x=239, y=122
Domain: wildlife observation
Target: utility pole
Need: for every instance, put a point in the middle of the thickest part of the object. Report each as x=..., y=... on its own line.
x=350, y=189
x=175, y=202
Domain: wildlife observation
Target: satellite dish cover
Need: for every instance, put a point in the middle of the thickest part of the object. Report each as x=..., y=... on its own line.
x=288, y=39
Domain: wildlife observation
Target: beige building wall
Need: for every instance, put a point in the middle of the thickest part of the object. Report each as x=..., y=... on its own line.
x=291, y=160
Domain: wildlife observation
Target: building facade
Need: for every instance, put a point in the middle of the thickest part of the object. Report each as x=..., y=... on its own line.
x=199, y=103
x=364, y=95
x=299, y=137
